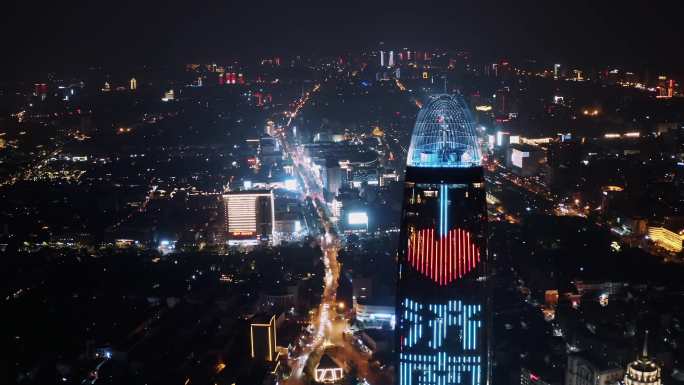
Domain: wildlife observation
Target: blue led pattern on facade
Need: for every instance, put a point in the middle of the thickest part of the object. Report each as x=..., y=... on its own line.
x=443, y=210
x=439, y=320
x=444, y=135
x=431, y=326
x=439, y=369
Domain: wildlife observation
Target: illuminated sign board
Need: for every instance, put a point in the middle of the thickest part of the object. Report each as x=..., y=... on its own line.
x=518, y=156
x=357, y=218
x=291, y=184
x=242, y=233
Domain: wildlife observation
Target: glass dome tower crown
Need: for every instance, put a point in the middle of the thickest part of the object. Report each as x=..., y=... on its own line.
x=444, y=135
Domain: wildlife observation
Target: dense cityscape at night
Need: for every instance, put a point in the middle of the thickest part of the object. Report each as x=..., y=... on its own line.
x=354, y=195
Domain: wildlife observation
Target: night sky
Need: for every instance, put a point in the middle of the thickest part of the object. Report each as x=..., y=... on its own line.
x=41, y=34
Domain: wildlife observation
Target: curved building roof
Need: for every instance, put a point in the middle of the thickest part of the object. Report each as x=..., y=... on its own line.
x=444, y=135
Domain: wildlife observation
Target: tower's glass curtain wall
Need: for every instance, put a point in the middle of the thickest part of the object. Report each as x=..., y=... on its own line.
x=442, y=304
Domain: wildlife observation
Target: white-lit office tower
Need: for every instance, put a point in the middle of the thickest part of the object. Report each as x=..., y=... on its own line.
x=249, y=216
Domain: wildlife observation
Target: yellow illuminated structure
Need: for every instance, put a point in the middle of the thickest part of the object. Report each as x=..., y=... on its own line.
x=263, y=339
x=134, y=84
x=665, y=238
x=327, y=371
x=643, y=371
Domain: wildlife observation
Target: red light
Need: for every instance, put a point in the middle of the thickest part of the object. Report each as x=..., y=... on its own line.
x=534, y=377
x=443, y=260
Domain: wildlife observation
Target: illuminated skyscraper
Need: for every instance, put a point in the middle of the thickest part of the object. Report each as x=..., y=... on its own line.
x=442, y=304
x=133, y=84
x=390, y=62
x=249, y=216
x=262, y=337
x=382, y=58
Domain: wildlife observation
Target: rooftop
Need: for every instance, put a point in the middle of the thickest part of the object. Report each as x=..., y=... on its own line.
x=444, y=135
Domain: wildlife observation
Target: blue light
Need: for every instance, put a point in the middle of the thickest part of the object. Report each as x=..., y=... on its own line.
x=443, y=212
x=440, y=367
x=444, y=135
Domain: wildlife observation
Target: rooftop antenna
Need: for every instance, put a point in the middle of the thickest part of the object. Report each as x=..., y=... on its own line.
x=644, y=352
x=445, y=85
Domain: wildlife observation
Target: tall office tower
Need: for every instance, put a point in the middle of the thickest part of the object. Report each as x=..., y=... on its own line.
x=382, y=58
x=262, y=337
x=442, y=302
x=390, y=61
x=249, y=216
x=133, y=84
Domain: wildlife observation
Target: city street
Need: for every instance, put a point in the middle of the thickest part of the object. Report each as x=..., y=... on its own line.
x=327, y=331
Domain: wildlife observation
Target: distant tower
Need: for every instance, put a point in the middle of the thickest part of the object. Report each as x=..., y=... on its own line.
x=390, y=61
x=643, y=371
x=556, y=71
x=134, y=84
x=382, y=58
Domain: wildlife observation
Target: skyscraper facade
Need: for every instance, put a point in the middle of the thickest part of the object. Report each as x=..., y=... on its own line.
x=249, y=216
x=442, y=302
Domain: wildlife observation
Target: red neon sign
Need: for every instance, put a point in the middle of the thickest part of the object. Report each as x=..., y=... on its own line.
x=443, y=260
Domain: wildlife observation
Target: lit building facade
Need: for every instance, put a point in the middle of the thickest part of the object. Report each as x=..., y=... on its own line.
x=666, y=238
x=262, y=333
x=374, y=315
x=249, y=216
x=442, y=303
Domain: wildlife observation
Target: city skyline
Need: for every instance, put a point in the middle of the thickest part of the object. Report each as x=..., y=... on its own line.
x=616, y=33
x=463, y=193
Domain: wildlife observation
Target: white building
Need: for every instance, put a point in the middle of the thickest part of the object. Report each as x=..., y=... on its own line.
x=249, y=216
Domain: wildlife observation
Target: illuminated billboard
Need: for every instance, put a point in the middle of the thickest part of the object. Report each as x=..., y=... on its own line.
x=291, y=184
x=357, y=218
x=517, y=157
